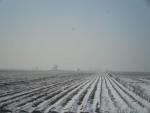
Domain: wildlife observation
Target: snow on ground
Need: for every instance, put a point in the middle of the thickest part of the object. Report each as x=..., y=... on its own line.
x=76, y=92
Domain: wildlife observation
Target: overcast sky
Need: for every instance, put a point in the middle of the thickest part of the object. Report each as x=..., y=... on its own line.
x=86, y=34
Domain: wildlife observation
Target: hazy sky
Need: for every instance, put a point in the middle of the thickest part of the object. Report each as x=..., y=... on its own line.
x=86, y=34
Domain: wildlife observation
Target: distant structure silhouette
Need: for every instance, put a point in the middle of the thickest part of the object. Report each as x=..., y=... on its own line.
x=55, y=68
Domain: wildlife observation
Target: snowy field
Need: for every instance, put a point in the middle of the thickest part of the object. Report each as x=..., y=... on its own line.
x=74, y=92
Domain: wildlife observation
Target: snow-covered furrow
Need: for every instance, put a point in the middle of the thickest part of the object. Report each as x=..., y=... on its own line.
x=96, y=100
x=30, y=86
x=12, y=103
x=99, y=93
x=138, y=87
x=90, y=102
x=32, y=99
x=142, y=80
x=111, y=96
x=92, y=95
x=98, y=107
x=118, y=100
x=7, y=98
x=106, y=105
x=130, y=97
x=145, y=80
x=15, y=98
x=58, y=106
x=35, y=98
x=21, y=97
x=74, y=103
x=31, y=106
x=133, y=103
x=49, y=102
x=8, y=93
x=86, y=106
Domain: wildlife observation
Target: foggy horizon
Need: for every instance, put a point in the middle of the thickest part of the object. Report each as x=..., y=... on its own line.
x=89, y=35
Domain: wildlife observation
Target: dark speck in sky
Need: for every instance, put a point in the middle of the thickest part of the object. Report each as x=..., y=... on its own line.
x=73, y=28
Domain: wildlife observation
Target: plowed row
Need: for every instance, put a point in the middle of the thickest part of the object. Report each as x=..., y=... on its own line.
x=98, y=93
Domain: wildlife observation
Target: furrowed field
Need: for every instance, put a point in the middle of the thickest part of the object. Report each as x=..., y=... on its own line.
x=74, y=92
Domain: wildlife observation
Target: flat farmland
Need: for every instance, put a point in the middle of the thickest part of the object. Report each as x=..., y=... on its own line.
x=74, y=92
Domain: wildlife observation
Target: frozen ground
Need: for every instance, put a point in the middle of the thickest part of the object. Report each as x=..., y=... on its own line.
x=74, y=92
